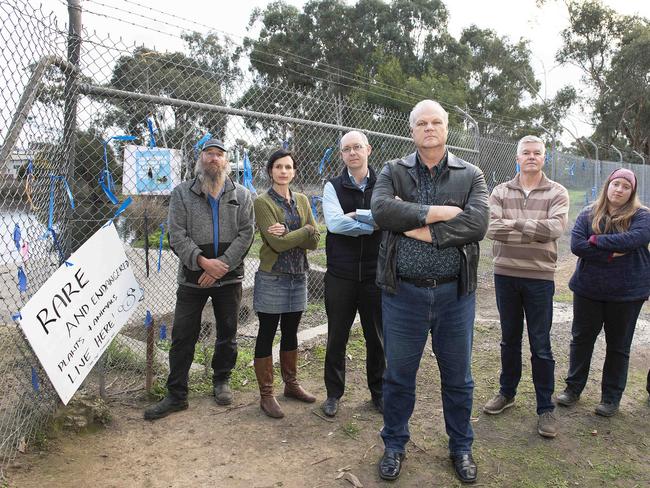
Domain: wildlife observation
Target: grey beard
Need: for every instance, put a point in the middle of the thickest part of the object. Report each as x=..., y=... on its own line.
x=210, y=183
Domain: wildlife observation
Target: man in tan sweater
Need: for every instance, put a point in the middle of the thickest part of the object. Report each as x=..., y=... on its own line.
x=528, y=214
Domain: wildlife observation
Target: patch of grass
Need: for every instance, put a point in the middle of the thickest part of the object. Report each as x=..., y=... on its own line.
x=40, y=440
x=164, y=345
x=154, y=240
x=318, y=351
x=243, y=375
x=351, y=429
x=203, y=353
x=613, y=472
x=158, y=389
x=356, y=344
x=563, y=297
x=122, y=358
x=315, y=307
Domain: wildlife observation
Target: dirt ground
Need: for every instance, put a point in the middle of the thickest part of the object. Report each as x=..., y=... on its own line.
x=241, y=447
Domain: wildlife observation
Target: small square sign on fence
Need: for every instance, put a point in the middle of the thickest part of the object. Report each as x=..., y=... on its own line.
x=150, y=170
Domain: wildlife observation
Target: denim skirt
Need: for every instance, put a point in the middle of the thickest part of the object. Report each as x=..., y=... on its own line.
x=280, y=293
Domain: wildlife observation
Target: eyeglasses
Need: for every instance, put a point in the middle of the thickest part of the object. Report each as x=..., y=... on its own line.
x=354, y=147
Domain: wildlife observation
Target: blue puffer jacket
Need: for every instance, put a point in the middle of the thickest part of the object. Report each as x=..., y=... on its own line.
x=598, y=275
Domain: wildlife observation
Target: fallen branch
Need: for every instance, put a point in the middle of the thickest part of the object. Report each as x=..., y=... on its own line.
x=321, y=461
x=322, y=416
x=229, y=409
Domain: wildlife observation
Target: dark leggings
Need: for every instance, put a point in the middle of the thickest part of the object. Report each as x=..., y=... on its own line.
x=269, y=325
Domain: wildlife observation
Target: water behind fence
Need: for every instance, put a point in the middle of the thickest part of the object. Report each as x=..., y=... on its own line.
x=86, y=125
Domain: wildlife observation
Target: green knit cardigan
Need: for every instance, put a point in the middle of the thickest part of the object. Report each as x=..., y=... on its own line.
x=267, y=213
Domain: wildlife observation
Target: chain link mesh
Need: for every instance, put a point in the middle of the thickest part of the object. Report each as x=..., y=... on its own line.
x=184, y=95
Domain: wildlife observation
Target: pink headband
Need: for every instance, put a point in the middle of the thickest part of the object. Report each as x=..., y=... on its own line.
x=624, y=173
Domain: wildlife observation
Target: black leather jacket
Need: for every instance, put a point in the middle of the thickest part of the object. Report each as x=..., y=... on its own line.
x=461, y=184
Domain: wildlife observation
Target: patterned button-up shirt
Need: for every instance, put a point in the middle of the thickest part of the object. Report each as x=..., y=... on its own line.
x=419, y=259
x=292, y=261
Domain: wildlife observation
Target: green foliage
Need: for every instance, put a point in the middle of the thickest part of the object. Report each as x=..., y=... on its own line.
x=351, y=429
x=122, y=358
x=392, y=54
x=154, y=240
x=611, y=50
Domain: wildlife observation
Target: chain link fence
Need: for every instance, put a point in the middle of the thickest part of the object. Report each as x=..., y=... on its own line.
x=140, y=115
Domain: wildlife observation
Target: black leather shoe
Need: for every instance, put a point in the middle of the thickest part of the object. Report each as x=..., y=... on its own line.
x=465, y=467
x=164, y=407
x=390, y=465
x=378, y=402
x=330, y=406
x=605, y=409
x=222, y=393
x=567, y=398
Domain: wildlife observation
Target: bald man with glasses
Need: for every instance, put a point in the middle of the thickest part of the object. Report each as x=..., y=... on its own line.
x=352, y=246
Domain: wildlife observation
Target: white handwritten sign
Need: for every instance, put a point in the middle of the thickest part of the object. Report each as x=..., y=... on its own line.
x=74, y=316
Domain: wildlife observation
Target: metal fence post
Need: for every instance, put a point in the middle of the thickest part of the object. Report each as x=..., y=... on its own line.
x=596, y=165
x=620, y=154
x=643, y=171
x=70, y=95
x=475, y=132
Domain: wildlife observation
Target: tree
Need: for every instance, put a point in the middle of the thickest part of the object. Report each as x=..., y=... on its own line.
x=611, y=51
x=500, y=79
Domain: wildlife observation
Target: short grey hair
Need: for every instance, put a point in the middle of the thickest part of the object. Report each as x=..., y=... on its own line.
x=527, y=139
x=363, y=137
x=421, y=104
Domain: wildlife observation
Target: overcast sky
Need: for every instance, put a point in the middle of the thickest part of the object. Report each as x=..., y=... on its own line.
x=513, y=18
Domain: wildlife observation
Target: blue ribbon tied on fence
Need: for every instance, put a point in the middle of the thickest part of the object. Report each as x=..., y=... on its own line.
x=148, y=319
x=35, y=382
x=314, y=205
x=163, y=332
x=327, y=157
x=50, y=218
x=22, y=277
x=248, y=173
x=152, y=132
x=105, y=177
x=17, y=237
x=199, y=144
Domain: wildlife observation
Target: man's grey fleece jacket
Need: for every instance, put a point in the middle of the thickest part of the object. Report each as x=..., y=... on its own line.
x=191, y=230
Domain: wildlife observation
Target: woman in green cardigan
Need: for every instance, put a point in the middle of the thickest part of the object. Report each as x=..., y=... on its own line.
x=288, y=229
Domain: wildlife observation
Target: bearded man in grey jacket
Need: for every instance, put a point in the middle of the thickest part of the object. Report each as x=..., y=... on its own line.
x=211, y=226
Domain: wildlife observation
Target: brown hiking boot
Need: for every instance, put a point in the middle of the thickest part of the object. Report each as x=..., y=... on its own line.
x=547, y=425
x=498, y=404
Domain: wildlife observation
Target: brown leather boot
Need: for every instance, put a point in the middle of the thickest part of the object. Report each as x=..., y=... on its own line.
x=289, y=367
x=264, y=373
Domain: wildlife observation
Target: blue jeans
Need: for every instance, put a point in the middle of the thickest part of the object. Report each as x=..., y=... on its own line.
x=534, y=298
x=409, y=316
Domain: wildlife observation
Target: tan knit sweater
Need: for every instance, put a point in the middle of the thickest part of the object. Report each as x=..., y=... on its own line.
x=525, y=230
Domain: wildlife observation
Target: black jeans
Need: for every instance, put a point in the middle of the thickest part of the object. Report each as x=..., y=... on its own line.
x=187, y=327
x=534, y=298
x=619, y=322
x=342, y=300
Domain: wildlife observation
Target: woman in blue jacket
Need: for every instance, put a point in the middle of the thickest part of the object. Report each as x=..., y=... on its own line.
x=610, y=284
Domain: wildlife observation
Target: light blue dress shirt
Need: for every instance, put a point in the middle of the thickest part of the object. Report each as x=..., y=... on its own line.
x=335, y=220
